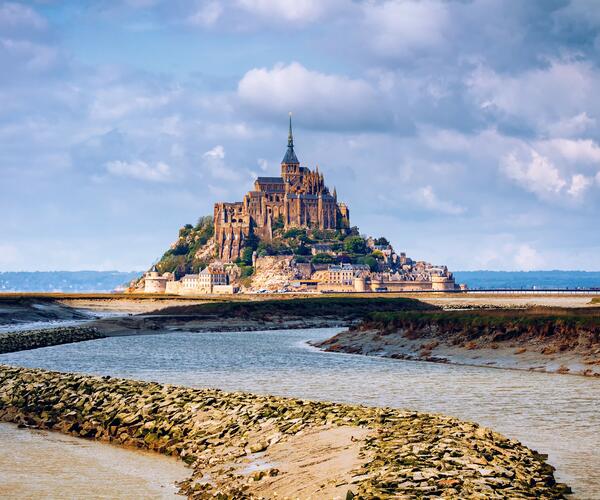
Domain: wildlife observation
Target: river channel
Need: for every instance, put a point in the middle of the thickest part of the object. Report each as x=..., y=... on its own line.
x=554, y=414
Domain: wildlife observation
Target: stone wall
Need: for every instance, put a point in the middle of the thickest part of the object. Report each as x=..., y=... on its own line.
x=34, y=339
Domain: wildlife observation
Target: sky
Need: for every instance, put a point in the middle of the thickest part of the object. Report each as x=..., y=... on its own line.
x=465, y=131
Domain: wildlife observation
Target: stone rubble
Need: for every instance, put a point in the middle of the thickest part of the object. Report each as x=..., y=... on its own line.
x=34, y=339
x=405, y=455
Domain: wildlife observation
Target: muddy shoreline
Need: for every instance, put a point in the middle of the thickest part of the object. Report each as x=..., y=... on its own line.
x=247, y=446
x=552, y=340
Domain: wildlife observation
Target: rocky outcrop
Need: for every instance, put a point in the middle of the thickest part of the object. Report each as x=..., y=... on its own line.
x=34, y=339
x=402, y=453
x=273, y=272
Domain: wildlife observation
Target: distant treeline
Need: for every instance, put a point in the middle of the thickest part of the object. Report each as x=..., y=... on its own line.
x=64, y=281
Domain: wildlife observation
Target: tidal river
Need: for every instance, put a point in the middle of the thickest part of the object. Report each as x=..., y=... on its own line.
x=554, y=414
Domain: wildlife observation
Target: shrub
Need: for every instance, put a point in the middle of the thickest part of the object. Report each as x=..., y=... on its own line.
x=355, y=244
x=323, y=258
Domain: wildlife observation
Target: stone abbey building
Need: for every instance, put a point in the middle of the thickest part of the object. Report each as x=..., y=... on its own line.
x=298, y=198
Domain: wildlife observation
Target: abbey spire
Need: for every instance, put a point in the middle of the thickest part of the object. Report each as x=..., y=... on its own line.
x=290, y=157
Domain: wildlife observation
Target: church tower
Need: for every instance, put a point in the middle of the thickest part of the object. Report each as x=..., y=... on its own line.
x=290, y=166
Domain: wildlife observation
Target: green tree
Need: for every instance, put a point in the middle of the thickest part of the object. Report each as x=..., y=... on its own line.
x=355, y=244
x=247, y=255
x=382, y=241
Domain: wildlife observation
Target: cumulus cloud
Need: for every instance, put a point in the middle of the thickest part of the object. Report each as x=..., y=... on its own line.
x=546, y=99
x=536, y=174
x=579, y=185
x=160, y=172
x=323, y=100
x=428, y=199
x=573, y=150
x=218, y=152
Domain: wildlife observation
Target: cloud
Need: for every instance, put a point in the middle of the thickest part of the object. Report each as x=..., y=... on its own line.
x=574, y=150
x=206, y=15
x=216, y=167
x=527, y=258
x=579, y=185
x=218, y=152
x=161, y=172
x=427, y=198
x=320, y=99
x=291, y=11
x=31, y=56
x=537, y=175
x=17, y=15
x=555, y=98
x=396, y=28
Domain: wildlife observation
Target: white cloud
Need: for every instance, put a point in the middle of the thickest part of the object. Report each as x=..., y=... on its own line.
x=397, y=27
x=324, y=99
x=579, y=185
x=574, y=150
x=206, y=15
x=527, y=258
x=161, y=172
x=116, y=100
x=572, y=125
x=537, y=175
x=299, y=11
x=218, y=152
x=427, y=198
x=506, y=252
x=556, y=98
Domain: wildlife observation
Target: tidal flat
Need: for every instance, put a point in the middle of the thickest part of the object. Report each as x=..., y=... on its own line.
x=279, y=362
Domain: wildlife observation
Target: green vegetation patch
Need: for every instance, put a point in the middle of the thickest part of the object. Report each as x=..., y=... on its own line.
x=342, y=307
x=541, y=320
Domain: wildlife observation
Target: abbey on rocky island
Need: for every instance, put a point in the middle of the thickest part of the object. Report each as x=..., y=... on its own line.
x=298, y=198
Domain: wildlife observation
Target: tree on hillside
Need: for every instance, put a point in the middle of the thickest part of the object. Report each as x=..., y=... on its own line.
x=355, y=244
x=247, y=255
x=323, y=258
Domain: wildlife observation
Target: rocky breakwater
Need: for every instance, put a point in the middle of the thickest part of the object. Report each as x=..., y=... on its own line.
x=34, y=339
x=241, y=445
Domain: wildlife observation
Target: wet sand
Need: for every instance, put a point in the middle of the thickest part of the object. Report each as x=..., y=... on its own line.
x=40, y=464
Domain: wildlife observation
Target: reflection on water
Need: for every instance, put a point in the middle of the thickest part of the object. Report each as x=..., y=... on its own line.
x=553, y=414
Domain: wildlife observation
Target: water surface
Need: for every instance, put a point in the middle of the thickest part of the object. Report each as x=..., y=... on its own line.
x=554, y=414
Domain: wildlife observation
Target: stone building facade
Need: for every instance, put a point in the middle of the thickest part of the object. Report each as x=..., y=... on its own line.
x=298, y=198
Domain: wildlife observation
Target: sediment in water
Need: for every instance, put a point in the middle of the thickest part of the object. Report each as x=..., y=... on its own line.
x=401, y=453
